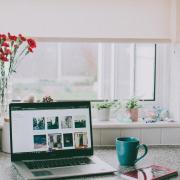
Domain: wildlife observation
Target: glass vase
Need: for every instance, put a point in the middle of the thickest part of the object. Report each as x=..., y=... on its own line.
x=5, y=99
x=5, y=96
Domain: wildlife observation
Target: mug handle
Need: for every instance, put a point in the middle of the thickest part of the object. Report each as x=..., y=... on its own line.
x=145, y=151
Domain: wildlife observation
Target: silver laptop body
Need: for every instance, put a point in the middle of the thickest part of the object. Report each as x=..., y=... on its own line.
x=53, y=140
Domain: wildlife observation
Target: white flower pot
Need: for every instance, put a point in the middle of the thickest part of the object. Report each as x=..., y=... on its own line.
x=103, y=114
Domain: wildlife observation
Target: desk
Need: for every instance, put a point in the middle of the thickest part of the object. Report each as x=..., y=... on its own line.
x=168, y=156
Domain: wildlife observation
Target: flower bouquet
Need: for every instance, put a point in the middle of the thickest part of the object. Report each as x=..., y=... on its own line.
x=12, y=50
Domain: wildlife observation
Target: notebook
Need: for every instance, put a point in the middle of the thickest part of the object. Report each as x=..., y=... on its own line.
x=152, y=172
x=52, y=140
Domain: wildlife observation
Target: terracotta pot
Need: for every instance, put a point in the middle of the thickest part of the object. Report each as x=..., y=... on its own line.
x=133, y=115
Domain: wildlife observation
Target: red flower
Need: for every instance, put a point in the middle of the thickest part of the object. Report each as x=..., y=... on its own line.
x=5, y=44
x=30, y=49
x=22, y=37
x=10, y=44
x=31, y=43
x=3, y=58
x=3, y=36
x=12, y=38
x=8, y=51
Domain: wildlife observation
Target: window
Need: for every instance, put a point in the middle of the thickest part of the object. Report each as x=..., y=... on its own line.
x=62, y=70
x=145, y=65
x=91, y=71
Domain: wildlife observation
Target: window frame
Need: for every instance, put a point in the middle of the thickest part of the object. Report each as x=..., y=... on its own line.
x=132, y=91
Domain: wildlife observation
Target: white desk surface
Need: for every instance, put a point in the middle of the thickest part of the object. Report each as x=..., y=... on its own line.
x=168, y=156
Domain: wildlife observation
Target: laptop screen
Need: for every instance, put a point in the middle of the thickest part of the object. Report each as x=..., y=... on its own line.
x=50, y=128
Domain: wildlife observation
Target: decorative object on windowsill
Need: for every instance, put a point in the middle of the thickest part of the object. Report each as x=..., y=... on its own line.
x=47, y=99
x=132, y=106
x=156, y=114
x=161, y=114
x=12, y=50
x=123, y=116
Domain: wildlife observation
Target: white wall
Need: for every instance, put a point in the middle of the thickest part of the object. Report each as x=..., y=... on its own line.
x=174, y=101
x=175, y=21
x=89, y=19
x=178, y=21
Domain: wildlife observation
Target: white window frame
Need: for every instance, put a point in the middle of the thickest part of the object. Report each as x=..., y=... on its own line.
x=108, y=87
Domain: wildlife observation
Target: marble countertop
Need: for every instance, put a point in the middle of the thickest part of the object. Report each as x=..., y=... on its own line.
x=168, y=156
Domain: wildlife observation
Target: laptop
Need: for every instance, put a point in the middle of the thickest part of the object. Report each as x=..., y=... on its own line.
x=53, y=140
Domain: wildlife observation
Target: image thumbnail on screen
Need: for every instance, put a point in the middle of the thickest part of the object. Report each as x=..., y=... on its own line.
x=81, y=140
x=67, y=122
x=38, y=123
x=68, y=140
x=52, y=122
x=40, y=141
x=80, y=121
x=54, y=141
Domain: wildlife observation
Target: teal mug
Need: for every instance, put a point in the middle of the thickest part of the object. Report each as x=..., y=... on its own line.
x=127, y=150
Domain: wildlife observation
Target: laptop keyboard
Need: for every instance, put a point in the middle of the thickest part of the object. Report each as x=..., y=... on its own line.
x=57, y=163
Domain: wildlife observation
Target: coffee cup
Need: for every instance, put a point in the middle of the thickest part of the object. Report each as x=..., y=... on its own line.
x=127, y=150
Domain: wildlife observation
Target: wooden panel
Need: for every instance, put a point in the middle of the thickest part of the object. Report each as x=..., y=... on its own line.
x=96, y=137
x=151, y=136
x=108, y=136
x=136, y=132
x=171, y=136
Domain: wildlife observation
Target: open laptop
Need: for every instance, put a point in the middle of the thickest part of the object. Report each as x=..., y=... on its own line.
x=53, y=140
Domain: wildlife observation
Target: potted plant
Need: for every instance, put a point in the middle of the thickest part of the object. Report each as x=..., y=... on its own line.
x=132, y=105
x=103, y=110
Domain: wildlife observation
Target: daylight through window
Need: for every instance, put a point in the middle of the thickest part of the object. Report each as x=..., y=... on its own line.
x=88, y=71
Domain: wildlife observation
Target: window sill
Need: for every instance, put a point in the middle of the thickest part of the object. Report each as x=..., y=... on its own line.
x=115, y=124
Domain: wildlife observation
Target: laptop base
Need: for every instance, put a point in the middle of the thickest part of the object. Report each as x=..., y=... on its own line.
x=98, y=167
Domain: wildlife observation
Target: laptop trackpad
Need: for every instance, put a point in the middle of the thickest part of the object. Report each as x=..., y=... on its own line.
x=41, y=173
x=60, y=171
x=66, y=171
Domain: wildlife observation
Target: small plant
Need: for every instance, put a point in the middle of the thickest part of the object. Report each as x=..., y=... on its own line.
x=133, y=103
x=108, y=104
x=104, y=104
x=104, y=108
